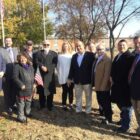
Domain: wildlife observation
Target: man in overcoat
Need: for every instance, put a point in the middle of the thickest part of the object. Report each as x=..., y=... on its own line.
x=46, y=60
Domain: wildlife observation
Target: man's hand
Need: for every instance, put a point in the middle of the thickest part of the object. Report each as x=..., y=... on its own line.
x=43, y=68
x=1, y=74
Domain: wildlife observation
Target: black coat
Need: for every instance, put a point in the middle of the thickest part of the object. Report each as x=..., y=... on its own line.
x=49, y=61
x=135, y=83
x=82, y=74
x=22, y=76
x=120, y=92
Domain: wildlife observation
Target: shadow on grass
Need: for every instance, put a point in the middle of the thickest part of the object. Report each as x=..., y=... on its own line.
x=69, y=118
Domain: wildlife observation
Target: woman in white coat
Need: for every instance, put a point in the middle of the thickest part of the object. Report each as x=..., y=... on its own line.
x=63, y=66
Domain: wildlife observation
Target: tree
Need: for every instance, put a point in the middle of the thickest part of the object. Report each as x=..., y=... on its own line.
x=23, y=21
x=78, y=19
x=118, y=13
x=137, y=33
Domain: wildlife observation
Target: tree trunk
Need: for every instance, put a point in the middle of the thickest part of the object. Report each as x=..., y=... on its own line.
x=111, y=44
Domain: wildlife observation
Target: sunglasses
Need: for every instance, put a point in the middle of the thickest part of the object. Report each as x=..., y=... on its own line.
x=46, y=44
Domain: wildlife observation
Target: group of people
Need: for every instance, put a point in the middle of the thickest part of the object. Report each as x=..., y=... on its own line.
x=87, y=68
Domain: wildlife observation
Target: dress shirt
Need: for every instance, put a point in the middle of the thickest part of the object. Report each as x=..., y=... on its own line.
x=30, y=54
x=99, y=59
x=80, y=58
x=119, y=55
x=10, y=51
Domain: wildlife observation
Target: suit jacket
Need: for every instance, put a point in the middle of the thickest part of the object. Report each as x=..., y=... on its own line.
x=8, y=61
x=120, y=92
x=102, y=74
x=2, y=68
x=82, y=74
x=50, y=61
x=134, y=84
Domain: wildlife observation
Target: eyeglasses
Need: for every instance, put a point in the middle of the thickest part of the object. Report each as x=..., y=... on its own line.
x=46, y=44
x=99, y=49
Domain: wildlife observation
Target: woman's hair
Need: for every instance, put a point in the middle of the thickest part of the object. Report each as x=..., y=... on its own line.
x=63, y=49
x=23, y=54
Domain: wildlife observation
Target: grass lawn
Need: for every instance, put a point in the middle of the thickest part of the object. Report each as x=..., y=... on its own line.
x=61, y=125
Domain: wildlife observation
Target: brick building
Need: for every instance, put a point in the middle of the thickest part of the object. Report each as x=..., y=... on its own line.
x=57, y=43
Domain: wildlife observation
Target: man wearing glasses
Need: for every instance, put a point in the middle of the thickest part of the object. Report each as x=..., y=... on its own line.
x=46, y=60
x=101, y=71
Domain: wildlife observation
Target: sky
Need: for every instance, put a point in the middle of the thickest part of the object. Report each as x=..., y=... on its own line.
x=130, y=28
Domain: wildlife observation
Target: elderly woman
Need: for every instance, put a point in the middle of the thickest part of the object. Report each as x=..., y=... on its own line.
x=101, y=70
x=63, y=67
x=23, y=77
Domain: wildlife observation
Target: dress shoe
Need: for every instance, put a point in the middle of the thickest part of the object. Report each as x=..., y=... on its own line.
x=10, y=112
x=22, y=120
x=71, y=107
x=138, y=132
x=122, y=130
x=65, y=108
x=101, y=112
x=41, y=108
x=29, y=115
x=50, y=108
x=119, y=122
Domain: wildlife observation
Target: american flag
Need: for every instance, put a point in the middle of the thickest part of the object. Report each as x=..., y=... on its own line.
x=38, y=77
x=1, y=8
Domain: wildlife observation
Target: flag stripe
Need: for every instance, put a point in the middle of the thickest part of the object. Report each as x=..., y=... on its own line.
x=38, y=78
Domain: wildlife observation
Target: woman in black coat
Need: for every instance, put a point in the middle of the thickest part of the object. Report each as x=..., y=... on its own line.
x=120, y=93
x=23, y=77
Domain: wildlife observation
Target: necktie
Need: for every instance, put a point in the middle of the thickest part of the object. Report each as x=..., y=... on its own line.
x=133, y=68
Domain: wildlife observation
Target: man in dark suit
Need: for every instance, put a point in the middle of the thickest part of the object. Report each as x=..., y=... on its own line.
x=134, y=78
x=46, y=60
x=80, y=73
x=120, y=93
x=9, y=55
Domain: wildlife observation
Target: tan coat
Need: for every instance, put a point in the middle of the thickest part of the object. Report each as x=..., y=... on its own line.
x=102, y=74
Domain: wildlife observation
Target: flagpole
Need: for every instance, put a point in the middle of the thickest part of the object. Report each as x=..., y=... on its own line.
x=2, y=24
x=44, y=21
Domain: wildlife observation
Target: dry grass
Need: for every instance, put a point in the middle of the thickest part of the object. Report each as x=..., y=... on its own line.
x=61, y=125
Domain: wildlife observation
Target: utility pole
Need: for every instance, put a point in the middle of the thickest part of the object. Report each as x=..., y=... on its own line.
x=2, y=24
x=44, y=19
